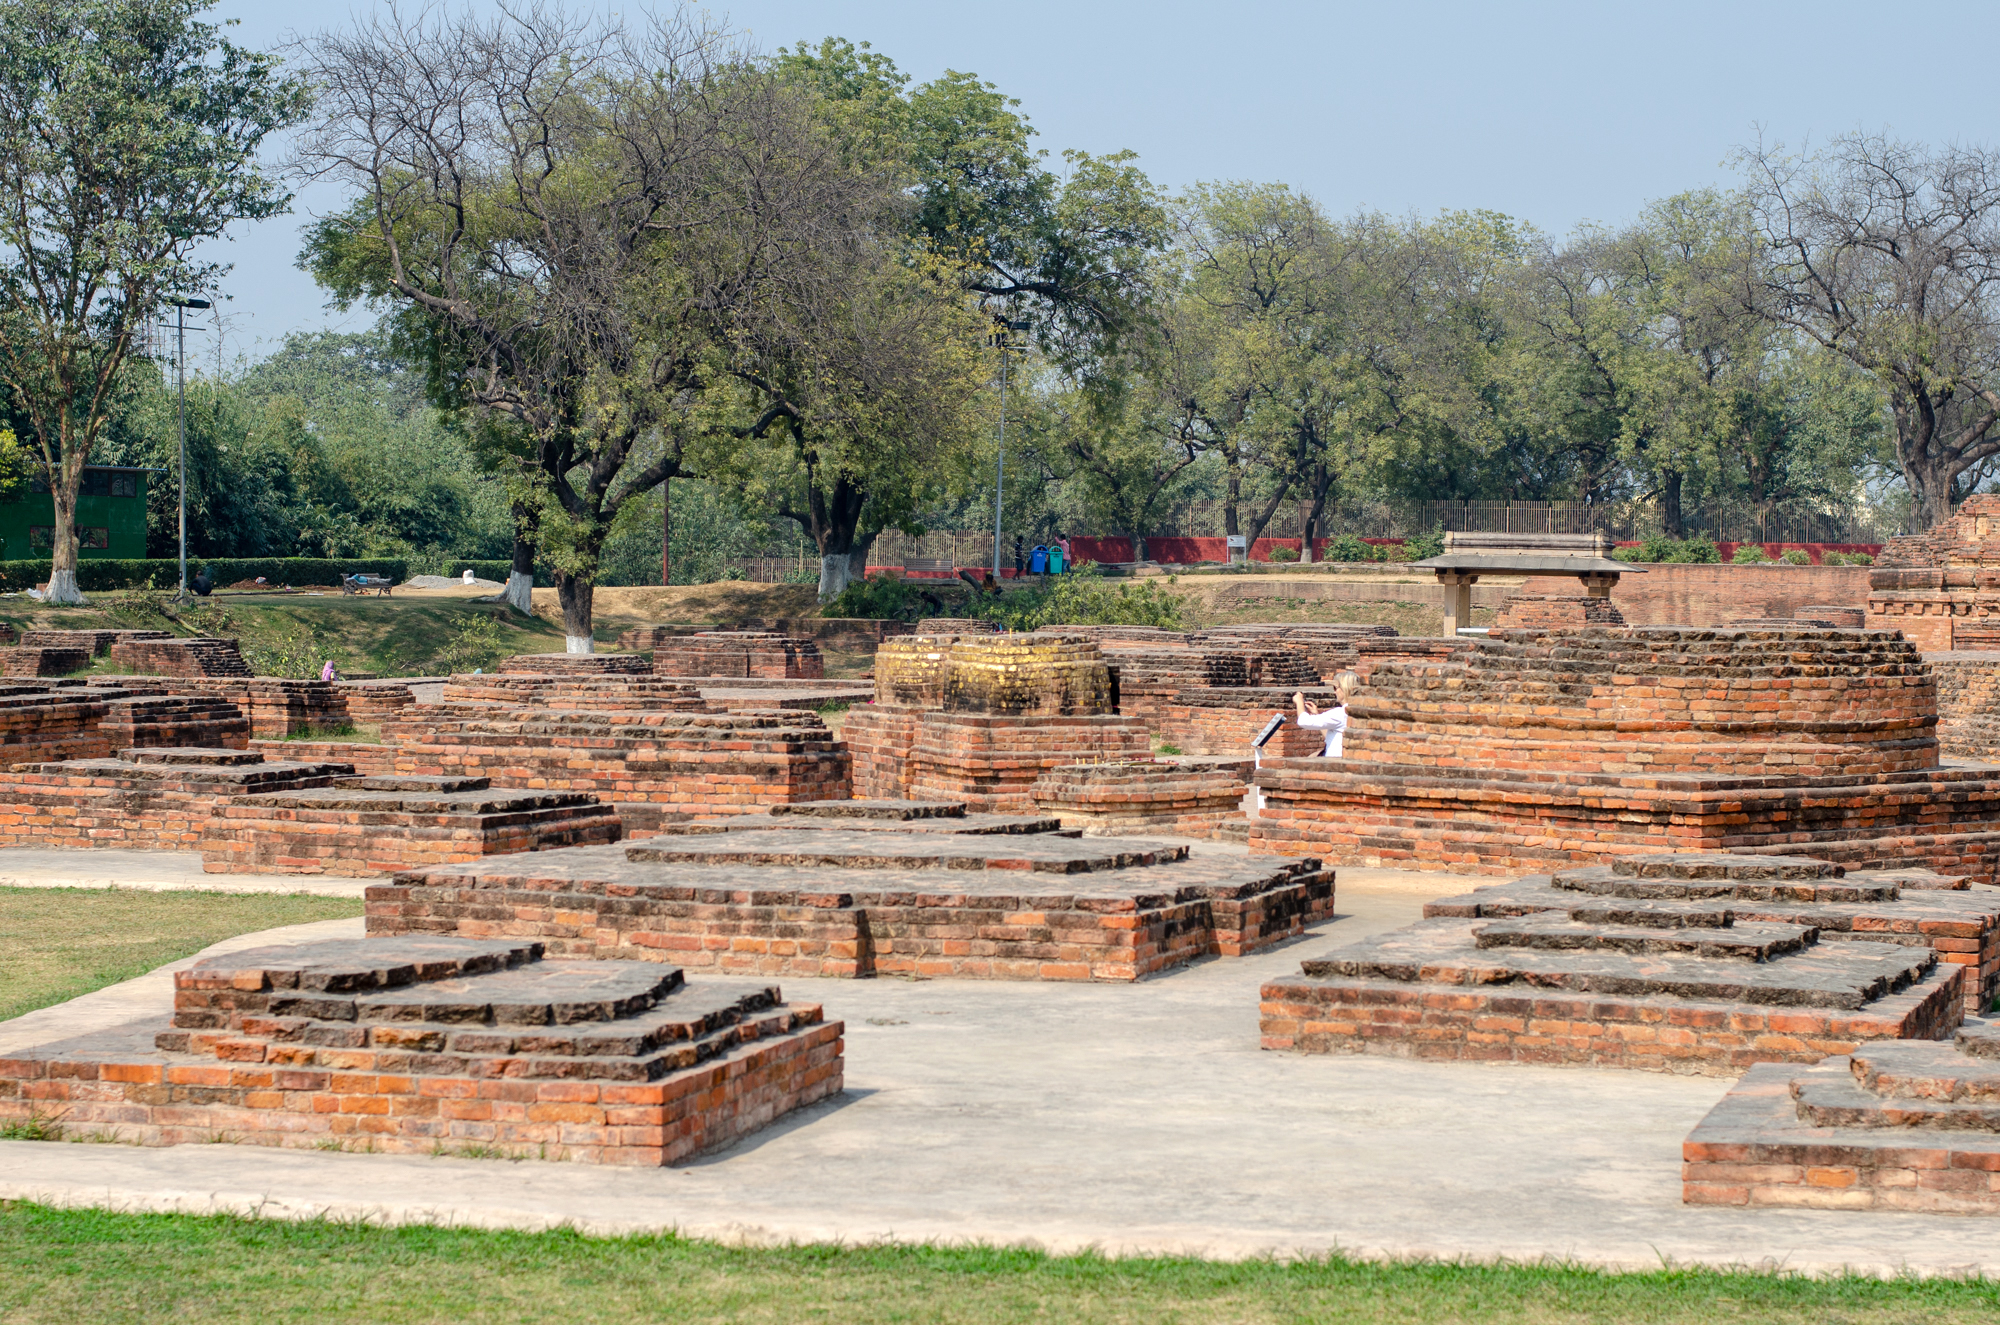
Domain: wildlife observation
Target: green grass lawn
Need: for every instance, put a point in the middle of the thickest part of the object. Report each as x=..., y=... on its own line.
x=91, y=1266
x=57, y=943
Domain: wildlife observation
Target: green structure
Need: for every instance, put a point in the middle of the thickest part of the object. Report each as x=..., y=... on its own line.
x=110, y=516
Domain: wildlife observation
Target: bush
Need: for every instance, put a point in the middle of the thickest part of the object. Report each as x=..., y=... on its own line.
x=1421, y=547
x=482, y=570
x=1658, y=548
x=1846, y=559
x=1282, y=554
x=1750, y=554
x=1082, y=598
x=883, y=597
x=1796, y=557
x=1860, y=559
x=105, y=573
x=1349, y=548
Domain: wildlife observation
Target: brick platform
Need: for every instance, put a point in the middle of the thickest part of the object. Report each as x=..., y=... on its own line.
x=1893, y=1126
x=707, y=763
x=576, y=664
x=1685, y=963
x=742, y=653
x=1573, y=746
x=277, y=706
x=405, y=1045
x=1184, y=799
x=838, y=900
x=645, y=639
x=153, y=799
x=377, y=825
x=69, y=721
x=201, y=656
x=1524, y=611
x=96, y=642
x=32, y=661
x=616, y=691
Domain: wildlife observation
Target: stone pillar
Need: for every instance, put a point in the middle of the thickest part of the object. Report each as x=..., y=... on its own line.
x=1599, y=584
x=1457, y=586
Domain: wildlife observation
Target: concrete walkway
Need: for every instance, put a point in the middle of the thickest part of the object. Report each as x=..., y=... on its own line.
x=1130, y=1118
x=154, y=871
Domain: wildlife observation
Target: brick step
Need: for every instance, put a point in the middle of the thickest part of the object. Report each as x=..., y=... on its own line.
x=1553, y=931
x=445, y=801
x=1444, y=953
x=900, y=811
x=1829, y=1097
x=1040, y=853
x=971, y=824
x=1607, y=882
x=1925, y=1069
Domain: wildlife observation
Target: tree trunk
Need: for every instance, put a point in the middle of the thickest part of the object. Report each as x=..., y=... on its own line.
x=575, y=594
x=1322, y=484
x=1670, y=505
x=519, y=593
x=62, y=567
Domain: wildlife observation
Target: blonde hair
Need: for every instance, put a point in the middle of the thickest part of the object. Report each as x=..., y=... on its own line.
x=1344, y=685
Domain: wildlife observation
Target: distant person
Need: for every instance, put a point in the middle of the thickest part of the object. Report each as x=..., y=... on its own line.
x=1020, y=558
x=1068, y=559
x=203, y=583
x=1332, y=721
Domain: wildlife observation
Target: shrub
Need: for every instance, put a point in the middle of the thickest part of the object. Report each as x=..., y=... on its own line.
x=482, y=570
x=1750, y=554
x=1282, y=553
x=1082, y=598
x=882, y=597
x=1860, y=559
x=104, y=573
x=1833, y=558
x=1421, y=547
x=1349, y=548
x=1796, y=557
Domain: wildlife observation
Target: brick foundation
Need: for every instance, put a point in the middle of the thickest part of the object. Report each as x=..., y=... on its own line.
x=1181, y=799
x=201, y=656
x=742, y=653
x=338, y=1044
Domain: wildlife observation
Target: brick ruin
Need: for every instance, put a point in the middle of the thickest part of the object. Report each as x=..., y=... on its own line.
x=857, y=888
x=1571, y=746
x=576, y=664
x=980, y=718
x=1892, y=1125
x=1941, y=588
x=744, y=653
x=1524, y=611
x=148, y=653
x=96, y=642
x=1694, y=963
x=1183, y=798
x=440, y=1045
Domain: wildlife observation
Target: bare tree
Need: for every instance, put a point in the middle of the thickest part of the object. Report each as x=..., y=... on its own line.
x=575, y=221
x=1888, y=254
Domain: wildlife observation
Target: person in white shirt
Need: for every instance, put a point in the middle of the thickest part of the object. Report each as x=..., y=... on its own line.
x=1332, y=721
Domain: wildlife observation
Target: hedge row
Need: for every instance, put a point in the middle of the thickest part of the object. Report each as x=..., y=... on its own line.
x=99, y=573
x=484, y=570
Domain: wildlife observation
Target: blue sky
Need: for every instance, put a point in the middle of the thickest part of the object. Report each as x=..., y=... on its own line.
x=1555, y=112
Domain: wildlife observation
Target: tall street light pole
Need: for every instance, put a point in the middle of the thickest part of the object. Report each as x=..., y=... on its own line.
x=181, y=306
x=1000, y=459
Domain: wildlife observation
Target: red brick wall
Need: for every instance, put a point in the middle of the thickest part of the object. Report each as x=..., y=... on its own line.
x=1673, y=595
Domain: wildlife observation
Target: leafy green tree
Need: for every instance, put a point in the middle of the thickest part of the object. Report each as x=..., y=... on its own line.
x=129, y=134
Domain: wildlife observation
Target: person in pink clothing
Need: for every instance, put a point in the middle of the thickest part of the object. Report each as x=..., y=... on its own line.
x=1332, y=721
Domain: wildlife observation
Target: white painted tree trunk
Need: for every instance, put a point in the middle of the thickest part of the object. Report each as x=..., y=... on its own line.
x=835, y=573
x=519, y=593
x=578, y=644
x=62, y=587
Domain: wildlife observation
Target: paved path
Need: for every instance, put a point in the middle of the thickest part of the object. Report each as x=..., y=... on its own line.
x=1132, y=1118
x=154, y=871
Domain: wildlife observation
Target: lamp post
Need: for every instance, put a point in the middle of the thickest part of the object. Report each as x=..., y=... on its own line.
x=1000, y=459
x=181, y=306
